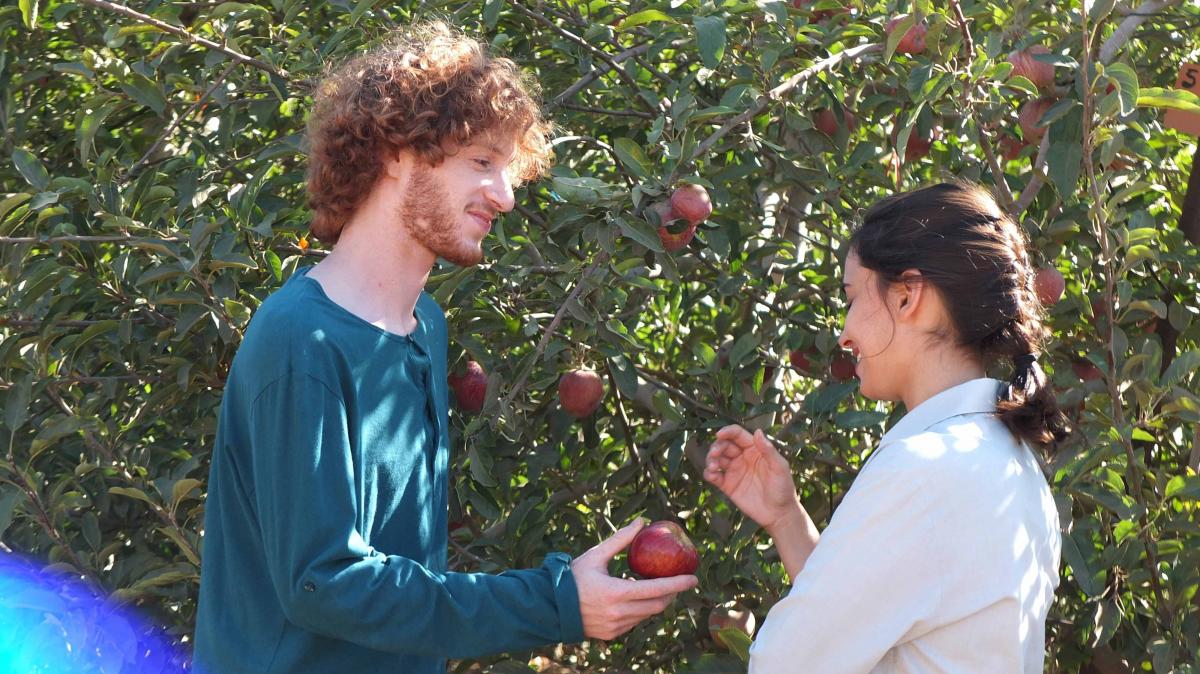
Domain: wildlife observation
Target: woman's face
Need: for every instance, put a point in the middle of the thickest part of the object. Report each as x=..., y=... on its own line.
x=869, y=334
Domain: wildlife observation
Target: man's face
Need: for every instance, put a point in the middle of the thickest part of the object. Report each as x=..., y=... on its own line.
x=449, y=208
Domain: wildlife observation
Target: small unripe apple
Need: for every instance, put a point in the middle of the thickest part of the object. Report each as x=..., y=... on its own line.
x=662, y=549
x=730, y=616
x=913, y=41
x=469, y=387
x=828, y=122
x=691, y=202
x=1049, y=285
x=1030, y=114
x=1038, y=72
x=842, y=368
x=580, y=392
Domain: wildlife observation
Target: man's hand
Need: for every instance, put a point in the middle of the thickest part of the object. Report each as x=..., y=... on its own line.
x=613, y=606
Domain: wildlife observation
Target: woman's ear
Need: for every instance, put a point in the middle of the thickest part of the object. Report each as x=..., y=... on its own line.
x=909, y=293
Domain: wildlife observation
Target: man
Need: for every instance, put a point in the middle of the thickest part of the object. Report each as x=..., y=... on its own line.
x=325, y=544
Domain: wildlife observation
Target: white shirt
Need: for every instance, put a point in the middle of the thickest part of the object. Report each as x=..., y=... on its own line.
x=942, y=557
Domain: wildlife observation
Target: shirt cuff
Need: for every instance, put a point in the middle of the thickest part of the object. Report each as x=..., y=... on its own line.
x=566, y=596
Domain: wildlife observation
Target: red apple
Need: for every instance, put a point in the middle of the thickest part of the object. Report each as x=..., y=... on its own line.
x=1038, y=72
x=668, y=220
x=1011, y=146
x=730, y=615
x=913, y=41
x=918, y=146
x=1087, y=371
x=469, y=387
x=1049, y=285
x=662, y=549
x=691, y=203
x=827, y=121
x=842, y=368
x=800, y=360
x=1031, y=112
x=580, y=392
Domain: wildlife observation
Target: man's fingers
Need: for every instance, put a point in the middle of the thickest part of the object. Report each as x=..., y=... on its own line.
x=659, y=587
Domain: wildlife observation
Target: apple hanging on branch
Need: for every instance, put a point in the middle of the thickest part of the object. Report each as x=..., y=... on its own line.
x=913, y=41
x=828, y=122
x=662, y=549
x=580, y=392
x=1049, y=285
x=1025, y=65
x=727, y=616
x=469, y=387
x=689, y=203
x=1031, y=113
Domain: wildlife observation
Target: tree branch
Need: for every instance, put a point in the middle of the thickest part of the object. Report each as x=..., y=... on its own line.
x=133, y=170
x=780, y=91
x=1129, y=26
x=1035, y=183
x=195, y=39
x=594, y=74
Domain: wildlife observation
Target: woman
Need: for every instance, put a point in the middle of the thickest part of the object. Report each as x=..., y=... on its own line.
x=943, y=555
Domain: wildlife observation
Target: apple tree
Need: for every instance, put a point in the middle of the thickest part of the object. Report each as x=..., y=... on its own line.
x=152, y=195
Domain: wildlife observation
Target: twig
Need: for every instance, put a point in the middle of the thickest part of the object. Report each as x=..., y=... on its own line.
x=779, y=91
x=88, y=238
x=1035, y=183
x=190, y=37
x=603, y=111
x=594, y=74
x=1129, y=26
x=599, y=53
x=133, y=170
x=550, y=329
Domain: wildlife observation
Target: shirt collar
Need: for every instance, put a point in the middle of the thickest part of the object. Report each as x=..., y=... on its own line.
x=977, y=396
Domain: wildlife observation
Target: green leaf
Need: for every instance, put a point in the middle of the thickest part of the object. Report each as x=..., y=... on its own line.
x=897, y=34
x=632, y=156
x=644, y=17
x=131, y=493
x=29, y=12
x=1178, y=99
x=859, y=418
x=737, y=641
x=10, y=495
x=641, y=231
x=181, y=489
x=1180, y=368
x=491, y=12
x=1022, y=83
x=1064, y=165
x=710, y=32
x=16, y=408
x=31, y=168
x=1126, y=81
x=1181, y=487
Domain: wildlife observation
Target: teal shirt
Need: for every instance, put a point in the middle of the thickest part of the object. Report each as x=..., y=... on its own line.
x=325, y=528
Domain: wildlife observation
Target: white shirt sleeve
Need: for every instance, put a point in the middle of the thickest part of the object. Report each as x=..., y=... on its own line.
x=869, y=582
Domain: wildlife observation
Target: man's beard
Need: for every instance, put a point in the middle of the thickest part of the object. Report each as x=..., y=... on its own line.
x=425, y=212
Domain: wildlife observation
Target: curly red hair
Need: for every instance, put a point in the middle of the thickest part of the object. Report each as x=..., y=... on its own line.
x=429, y=86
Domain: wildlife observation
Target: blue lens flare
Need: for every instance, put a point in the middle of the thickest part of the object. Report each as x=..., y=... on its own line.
x=53, y=623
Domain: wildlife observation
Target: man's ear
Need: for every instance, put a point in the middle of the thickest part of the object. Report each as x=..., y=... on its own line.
x=397, y=164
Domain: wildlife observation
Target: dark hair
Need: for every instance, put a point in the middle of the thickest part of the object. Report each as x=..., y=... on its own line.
x=428, y=84
x=975, y=256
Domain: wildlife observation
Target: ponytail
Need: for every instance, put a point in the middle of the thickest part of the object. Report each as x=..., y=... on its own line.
x=1028, y=408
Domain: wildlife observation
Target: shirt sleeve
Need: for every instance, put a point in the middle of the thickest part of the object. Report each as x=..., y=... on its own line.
x=868, y=583
x=330, y=581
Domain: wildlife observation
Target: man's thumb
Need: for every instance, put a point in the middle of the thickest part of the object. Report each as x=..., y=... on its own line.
x=608, y=548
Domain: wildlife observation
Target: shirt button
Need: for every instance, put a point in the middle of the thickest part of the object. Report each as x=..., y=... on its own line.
x=309, y=587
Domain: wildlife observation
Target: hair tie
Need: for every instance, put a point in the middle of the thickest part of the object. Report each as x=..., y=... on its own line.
x=1025, y=360
x=1027, y=376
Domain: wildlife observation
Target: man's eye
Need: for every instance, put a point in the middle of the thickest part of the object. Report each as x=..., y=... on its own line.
x=484, y=163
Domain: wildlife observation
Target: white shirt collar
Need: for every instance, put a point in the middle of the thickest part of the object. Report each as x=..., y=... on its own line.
x=972, y=397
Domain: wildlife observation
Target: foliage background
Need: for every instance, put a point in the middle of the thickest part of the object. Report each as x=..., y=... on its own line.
x=151, y=195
